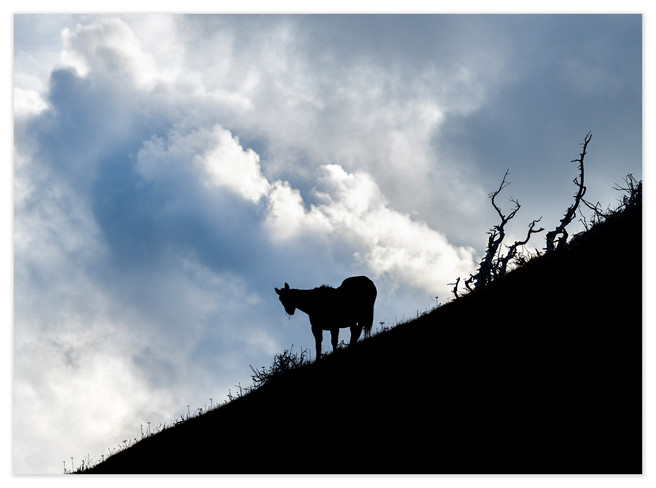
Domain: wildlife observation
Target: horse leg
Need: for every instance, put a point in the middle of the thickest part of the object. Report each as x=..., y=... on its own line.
x=367, y=322
x=318, y=337
x=334, y=336
x=356, y=330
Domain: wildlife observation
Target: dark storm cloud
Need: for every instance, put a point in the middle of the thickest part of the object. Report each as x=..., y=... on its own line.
x=570, y=75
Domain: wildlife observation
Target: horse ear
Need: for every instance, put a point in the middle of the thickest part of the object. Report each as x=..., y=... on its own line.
x=286, y=286
x=277, y=291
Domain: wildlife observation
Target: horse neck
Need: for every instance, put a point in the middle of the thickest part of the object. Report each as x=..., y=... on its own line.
x=308, y=301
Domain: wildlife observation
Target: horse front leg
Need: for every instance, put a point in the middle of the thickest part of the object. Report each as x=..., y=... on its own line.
x=334, y=336
x=318, y=337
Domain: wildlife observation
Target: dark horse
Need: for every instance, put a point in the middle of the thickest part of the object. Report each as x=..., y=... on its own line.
x=350, y=305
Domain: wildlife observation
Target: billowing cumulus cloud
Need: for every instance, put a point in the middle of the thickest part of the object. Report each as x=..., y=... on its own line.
x=357, y=216
x=109, y=46
x=170, y=170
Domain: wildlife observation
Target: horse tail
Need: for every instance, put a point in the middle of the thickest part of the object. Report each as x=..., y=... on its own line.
x=368, y=321
x=369, y=317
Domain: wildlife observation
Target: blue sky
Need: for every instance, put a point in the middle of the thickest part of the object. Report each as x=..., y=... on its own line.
x=170, y=171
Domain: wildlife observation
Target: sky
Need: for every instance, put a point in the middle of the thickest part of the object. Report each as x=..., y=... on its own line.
x=170, y=170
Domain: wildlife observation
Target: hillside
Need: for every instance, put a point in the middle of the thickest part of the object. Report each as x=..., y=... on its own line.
x=539, y=372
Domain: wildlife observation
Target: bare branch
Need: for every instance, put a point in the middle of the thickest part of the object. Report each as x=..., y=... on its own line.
x=512, y=250
x=493, y=195
x=571, y=211
x=488, y=269
x=468, y=282
x=455, y=287
x=633, y=197
x=634, y=192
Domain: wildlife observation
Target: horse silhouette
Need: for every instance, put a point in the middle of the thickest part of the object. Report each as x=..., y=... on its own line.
x=350, y=305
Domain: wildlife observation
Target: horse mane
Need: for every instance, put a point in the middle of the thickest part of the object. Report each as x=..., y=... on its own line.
x=323, y=291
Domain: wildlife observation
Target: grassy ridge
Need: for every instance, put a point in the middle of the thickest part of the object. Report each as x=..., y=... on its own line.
x=538, y=372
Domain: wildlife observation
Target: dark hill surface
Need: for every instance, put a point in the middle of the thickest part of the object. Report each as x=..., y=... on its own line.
x=540, y=372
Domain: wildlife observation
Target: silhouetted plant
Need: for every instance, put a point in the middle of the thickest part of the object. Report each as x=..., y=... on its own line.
x=231, y=397
x=633, y=188
x=571, y=211
x=502, y=262
x=486, y=269
x=494, y=264
x=282, y=364
x=455, y=287
x=631, y=199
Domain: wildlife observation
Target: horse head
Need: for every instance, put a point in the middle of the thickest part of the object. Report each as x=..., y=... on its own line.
x=285, y=299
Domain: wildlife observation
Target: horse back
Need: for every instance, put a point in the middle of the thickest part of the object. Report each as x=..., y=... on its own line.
x=358, y=292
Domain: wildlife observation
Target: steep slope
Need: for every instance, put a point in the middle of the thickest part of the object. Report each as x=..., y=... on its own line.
x=540, y=372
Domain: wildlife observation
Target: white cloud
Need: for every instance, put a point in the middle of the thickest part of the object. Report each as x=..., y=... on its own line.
x=287, y=218
x=382, y=120
x=28, y=103
x=109, y=46
x=100, y=350
x=213, y=155
x=72, y=378
x=74, y=392
x=356, y=217
x=228, y=165
x=390, y=242
x=353, y=216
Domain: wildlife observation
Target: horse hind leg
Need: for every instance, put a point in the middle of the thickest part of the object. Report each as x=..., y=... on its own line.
x=367, y=323
x=356, y=330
